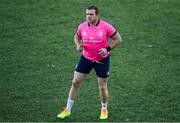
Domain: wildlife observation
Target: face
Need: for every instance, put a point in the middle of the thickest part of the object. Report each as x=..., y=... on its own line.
x=91, y=16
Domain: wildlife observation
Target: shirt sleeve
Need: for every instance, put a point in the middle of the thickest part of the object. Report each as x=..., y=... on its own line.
x=111, y=31
x=78, y=33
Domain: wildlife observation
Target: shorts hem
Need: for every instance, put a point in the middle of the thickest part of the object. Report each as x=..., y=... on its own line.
x=81, y=72
x=102, y=76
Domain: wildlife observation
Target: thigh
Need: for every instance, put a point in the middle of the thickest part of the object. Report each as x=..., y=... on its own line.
x=84, y=65
x=78, y=77
x=102, y=68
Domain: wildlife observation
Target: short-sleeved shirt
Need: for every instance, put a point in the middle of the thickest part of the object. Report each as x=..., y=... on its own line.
x=95, y=37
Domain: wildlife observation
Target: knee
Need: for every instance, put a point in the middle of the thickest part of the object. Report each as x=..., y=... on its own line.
x=102, y=87
x=76, y=83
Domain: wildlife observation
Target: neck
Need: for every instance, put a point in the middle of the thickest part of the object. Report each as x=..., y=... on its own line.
x=95, y=22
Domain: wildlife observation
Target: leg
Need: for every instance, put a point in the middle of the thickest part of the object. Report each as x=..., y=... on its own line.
x=103, y=90
x=102, y=72
x=78, y=77
x=82, y=68
x=76, y=82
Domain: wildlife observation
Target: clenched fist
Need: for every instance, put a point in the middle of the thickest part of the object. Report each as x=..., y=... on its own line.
x=102, y=51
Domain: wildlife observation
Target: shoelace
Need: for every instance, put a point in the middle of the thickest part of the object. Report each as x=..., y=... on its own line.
x=104, y=111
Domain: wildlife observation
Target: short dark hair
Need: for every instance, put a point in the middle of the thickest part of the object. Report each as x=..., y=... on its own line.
x=93, y=7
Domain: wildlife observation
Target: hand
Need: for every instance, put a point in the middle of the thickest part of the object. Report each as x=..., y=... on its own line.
x=102, y=51
x=79, y=47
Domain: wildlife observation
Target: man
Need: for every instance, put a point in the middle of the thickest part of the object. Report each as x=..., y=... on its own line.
x=92, y=40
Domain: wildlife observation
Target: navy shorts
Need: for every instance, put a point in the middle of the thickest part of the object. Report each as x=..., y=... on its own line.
x=101, y=67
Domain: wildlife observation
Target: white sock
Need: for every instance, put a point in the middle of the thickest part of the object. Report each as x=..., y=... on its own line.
x=104, y=105
x=69, y=104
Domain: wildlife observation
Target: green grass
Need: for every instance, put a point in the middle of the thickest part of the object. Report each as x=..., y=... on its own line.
x=37, y=59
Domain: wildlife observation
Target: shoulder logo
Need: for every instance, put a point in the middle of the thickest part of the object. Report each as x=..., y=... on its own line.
x=84, y=33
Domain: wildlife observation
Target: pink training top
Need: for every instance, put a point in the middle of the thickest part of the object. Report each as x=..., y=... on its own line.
x=95, y=37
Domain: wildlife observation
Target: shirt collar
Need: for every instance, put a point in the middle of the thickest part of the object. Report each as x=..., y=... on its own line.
x=97, y=23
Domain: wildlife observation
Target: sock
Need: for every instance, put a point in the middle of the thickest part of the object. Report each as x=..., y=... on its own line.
x=69, y=104
x=104, y=105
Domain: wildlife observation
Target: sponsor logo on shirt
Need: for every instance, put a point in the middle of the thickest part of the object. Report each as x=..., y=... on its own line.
x=94, y=41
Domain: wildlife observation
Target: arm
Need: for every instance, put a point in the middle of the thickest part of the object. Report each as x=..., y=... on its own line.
x=78, y=43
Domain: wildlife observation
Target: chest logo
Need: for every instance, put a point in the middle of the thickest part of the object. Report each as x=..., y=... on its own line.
x=100, y=34
x=84, y=34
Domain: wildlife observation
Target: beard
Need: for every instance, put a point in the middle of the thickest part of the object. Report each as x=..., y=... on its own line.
x=91, y=21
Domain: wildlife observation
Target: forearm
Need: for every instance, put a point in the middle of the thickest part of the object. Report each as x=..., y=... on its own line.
x=116, y=40
x=77, y=41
